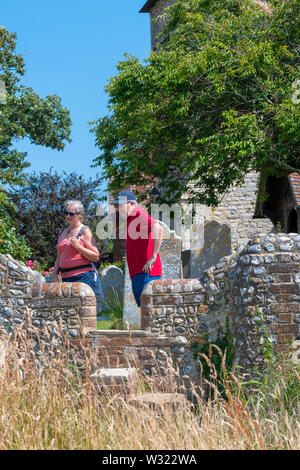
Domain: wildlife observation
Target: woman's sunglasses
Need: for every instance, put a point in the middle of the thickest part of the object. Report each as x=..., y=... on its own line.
x=71, y=214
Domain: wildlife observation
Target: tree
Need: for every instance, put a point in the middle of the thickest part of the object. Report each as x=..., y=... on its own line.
x=213, y=103
x=24, y=114
x=10, y=242
x=40, y=207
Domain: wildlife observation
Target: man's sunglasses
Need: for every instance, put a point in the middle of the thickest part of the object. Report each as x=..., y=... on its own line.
x=71, y=214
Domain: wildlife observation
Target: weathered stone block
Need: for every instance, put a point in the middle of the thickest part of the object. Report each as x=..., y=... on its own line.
x=88, y=311
x=284, y=288
x=89, y=322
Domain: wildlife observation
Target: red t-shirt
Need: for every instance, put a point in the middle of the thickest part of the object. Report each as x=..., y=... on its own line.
x=139, y=243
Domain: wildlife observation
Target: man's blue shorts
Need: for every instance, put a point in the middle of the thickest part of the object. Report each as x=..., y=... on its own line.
x=138, y=283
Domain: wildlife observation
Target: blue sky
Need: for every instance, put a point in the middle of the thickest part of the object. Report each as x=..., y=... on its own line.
x=71, y=49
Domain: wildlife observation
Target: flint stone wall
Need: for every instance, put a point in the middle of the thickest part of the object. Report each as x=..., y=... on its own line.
x=260, y=285
x=227, y=227
x=257, y=287
x=71, y=304
x=236, y=210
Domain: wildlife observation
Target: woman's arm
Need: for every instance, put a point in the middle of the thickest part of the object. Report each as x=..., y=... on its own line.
x=89, y=250
x=54, y=277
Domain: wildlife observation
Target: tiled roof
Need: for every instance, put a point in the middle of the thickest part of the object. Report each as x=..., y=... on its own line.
x=148, y=5
x=295, y=185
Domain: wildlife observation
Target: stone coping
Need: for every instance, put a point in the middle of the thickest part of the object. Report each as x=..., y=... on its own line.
x=167, y=286
x=62, y=289
x=113, y=333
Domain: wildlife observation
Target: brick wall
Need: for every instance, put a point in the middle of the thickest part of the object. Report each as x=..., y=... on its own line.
x=124, y=348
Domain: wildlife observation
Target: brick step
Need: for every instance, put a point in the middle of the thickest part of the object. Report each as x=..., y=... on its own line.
x=124, y=381
x=116, y=380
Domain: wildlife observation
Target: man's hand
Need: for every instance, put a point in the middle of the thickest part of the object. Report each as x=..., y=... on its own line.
x=149, y=265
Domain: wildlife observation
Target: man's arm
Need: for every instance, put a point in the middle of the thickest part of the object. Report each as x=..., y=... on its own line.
x=157, y=232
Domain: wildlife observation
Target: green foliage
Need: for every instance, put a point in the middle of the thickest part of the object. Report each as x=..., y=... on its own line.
x=278, y=228
x=10, y=241
x=113, y=308
x=276, y=388
x=7, y=209
x=263, y=332
x=12, y=244
x=40, y=207
x=216, y=357
x=212, y=103
x=104, y=325
x=118, y=264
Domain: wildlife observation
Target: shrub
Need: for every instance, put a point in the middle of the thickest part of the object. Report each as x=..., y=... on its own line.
x=12, y=244
x=41, y=268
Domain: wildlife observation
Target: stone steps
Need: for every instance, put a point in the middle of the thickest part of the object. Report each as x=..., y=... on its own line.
x=124, y=382
x=115, y=380
x=158, y=401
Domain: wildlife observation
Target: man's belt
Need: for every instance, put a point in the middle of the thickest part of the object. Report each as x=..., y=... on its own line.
x=66, y=270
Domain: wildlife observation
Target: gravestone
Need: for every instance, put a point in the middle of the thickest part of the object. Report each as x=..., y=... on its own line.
x=131, y=312
x=170, y=254
x=212, y=244
x=112, y=280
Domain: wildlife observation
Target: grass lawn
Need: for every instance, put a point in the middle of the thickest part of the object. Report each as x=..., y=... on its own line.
x=104, y=325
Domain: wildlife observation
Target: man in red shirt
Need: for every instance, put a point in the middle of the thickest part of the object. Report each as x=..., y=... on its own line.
x=143, y=240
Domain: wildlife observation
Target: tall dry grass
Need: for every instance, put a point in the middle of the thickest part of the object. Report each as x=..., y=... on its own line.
x=45, y=404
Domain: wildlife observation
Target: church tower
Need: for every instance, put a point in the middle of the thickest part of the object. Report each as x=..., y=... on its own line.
x=232, y=222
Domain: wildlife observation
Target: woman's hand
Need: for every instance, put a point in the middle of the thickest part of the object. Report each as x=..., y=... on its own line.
x=54, y=277
x=75, y=243
x=90, y=250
